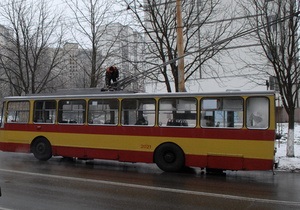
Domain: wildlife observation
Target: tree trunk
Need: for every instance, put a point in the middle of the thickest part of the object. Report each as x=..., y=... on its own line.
x=290, y=141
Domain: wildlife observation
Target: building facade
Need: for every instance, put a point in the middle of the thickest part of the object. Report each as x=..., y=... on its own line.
x=221, y=51
x=123, y=47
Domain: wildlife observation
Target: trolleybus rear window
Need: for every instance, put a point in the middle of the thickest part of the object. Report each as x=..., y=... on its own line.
x=258, y=113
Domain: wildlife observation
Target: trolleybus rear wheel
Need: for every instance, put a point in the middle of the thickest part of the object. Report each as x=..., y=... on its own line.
x=169, y=157
x=41, y=149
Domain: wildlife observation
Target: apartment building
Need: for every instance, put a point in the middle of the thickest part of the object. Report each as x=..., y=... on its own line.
x=222, y=52
x=120, y=46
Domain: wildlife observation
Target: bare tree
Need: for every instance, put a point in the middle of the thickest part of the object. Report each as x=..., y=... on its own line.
x=31, y=54
x=92, y=17
x=157, y=19
x=277, y=24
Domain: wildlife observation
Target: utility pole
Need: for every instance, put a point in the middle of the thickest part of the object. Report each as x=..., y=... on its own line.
x=180, y=48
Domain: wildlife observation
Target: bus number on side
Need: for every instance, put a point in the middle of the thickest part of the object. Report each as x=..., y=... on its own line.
x=145, y=146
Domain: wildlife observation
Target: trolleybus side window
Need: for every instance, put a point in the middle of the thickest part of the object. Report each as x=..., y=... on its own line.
x=2, y=115
x=138, y=112
x=258, y=113
x=103, y=111
x=222, y=112
x=44, y=111
x=177, y=112
x=71, y=111
x=18, y=112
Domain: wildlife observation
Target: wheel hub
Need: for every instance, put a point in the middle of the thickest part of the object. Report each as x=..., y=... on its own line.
x=40, y=148
x=169, y=157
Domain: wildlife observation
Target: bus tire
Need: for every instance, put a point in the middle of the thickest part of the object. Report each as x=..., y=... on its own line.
x=41, y=149
x=169, y=157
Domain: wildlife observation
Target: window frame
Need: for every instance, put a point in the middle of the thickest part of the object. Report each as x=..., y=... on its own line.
x=79, y=112
x=180, y=117
x=116, y=112
x=258, y=114
x=27, y=102
x=44, y=109
x=227, y=114
x=137, y=116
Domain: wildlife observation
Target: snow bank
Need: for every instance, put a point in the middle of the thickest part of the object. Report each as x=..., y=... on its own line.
x=285, y=163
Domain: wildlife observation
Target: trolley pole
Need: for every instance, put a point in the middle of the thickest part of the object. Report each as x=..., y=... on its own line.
x=180, y=48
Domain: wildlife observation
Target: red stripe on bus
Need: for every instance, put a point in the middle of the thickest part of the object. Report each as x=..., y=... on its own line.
x=213, y=133
x=13, y=147
x=228, y=162
x=120, y=155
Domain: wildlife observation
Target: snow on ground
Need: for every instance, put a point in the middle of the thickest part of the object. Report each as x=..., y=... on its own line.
x=285, y=163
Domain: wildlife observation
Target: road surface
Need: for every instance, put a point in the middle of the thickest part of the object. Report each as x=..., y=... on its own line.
x=27, y=183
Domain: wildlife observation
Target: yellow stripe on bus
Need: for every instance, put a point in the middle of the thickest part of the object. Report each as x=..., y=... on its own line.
x=238, y=148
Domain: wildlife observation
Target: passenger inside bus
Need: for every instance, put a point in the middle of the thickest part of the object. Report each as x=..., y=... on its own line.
x=141, y=121
x=209, y=121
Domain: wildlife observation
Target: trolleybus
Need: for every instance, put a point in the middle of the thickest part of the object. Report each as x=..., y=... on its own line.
x=224, y=131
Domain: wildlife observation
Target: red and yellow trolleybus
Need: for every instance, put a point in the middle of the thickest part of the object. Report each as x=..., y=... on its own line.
x=225, y=131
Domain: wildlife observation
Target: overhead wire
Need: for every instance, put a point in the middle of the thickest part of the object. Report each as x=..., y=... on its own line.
x=121, y=84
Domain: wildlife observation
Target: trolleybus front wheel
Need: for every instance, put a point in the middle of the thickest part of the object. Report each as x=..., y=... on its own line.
x=169, y=157
x=41, y=149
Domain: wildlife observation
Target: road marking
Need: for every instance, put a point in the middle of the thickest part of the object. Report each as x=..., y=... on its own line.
x=162, y=189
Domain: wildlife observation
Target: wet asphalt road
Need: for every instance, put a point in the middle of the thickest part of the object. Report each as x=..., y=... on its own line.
x=27, y=183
